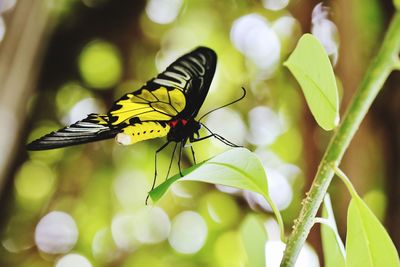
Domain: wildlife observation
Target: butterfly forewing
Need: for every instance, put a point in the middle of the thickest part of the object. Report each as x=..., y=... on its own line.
x=179, y=90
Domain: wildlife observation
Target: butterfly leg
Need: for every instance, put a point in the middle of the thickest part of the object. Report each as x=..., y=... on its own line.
x=172, y=159
x=181, y=146
x=193, y=155
x=155, y=168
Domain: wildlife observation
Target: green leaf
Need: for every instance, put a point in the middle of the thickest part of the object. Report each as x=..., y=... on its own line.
x=254, y=237
x=237, y=167
x=331, y=243
x=312, y=69
x=367, y=244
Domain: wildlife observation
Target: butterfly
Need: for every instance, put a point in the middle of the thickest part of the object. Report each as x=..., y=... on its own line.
x=165, y=106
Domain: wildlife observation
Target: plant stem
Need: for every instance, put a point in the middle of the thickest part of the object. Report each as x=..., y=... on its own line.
x=379, y=70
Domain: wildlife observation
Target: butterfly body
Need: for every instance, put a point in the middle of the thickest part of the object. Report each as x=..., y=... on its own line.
x=181, y=129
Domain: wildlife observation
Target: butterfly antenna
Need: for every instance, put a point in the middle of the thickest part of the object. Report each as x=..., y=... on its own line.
x=230, y=103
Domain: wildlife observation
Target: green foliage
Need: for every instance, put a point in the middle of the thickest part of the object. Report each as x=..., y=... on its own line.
x=331, y=242
x=396, y=3
x=254, y=237
x=311, y=67
x=237, y=168
x=367, y=244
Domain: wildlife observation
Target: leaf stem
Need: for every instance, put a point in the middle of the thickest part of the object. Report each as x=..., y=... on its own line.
x=277, y=215
x=382, y=65
x=345, y=180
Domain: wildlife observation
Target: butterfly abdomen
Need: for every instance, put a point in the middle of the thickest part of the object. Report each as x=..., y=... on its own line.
x=93, y=128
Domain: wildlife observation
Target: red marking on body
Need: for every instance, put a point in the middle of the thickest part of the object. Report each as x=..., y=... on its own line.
x=175, y=122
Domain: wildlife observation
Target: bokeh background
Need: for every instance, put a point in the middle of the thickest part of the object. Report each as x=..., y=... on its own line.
x=84, y=205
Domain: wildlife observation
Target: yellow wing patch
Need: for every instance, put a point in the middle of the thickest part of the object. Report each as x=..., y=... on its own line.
x=160, y=104
x=141, y=131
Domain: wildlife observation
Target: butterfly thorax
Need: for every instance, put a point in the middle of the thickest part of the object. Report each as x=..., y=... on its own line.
x=180, y=129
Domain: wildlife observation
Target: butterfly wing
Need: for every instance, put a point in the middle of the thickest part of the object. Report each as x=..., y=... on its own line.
x=179, y=90
x=93, y=128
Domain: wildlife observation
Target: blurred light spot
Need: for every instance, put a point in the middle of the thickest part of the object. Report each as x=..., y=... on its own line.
x=166, y=56
x=100, y=64
x=68, y=95
x=181, y=191
x=188, y=232
x=219, y=210
x=81, y=110
x=326, y=31
x=152, y=225
x=288, y=30
x=272, y=228
x=34, y=181
x=2, y=28
x=229, y=250
x=56, y=233
x=278, y=188
x=227, y=123
x=103, y=246
x=6, y=5
x=228, y=189
x=265, y=126
x=275, y=4
x=252, y=35
x=163, y=11
x=171, y=49
x=289, y=145
x=73, y=260
x=274, y=253
x=123, y=231
x=130, y=188
x=271, y=161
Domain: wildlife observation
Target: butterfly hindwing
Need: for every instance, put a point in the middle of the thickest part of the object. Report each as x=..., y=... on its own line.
x=142, y=131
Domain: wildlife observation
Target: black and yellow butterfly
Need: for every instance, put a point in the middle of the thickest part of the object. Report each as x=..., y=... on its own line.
x=165, y=106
